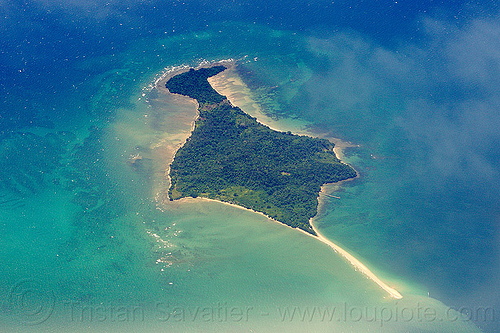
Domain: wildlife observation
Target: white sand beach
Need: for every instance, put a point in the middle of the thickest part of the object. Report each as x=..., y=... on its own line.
x=229, y=84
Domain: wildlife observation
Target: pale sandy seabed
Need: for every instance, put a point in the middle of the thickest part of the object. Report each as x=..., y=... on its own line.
x=229, y=84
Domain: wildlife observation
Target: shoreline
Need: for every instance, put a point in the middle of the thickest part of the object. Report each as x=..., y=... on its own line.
x=161, y=196
x=349, y=257
x=357, y=264
x=220, y=83
x=229, y=79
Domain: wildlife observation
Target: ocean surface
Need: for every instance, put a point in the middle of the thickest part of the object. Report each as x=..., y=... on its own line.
x=89, y=244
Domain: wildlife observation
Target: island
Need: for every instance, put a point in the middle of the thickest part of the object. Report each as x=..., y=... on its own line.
x=231, y=157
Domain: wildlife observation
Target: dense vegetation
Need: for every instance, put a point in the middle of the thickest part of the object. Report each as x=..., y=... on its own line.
x=195, y=85
x=231, y=157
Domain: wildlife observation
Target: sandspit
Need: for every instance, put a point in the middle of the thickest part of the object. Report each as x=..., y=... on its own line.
x=229, y=84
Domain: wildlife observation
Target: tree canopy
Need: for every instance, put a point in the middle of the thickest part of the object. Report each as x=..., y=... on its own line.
x=233, y=158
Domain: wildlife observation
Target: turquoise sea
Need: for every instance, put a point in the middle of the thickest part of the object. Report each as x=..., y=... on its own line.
x=88, y=246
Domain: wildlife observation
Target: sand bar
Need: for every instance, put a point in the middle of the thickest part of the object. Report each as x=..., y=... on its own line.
x=352, y=260
x=358, y=265
x=229, y=84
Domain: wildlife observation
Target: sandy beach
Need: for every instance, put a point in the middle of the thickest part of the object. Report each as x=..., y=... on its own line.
x=168, y=146
x=229, y=84
x=349, y=257
x=358, y=265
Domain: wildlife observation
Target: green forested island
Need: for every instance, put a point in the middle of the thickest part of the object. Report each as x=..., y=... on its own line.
x=231, y=157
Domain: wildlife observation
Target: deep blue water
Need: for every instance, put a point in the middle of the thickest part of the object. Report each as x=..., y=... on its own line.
x=414, y=84
x=42, y=39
